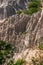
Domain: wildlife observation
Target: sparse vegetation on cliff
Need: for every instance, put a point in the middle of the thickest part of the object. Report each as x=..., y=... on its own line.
x=6, y=51
x=33, y=7
x=18, y=62
x=19, y=12
x=26, y=33
x=41, y=46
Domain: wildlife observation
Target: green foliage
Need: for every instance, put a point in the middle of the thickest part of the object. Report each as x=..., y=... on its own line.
x=26, y=12
x=6, y=51
x=33, y=7
x=1, y=57
x=19, y=12
x=38, y=1
x=31, y=11
x=19, y=62
x=41, y=46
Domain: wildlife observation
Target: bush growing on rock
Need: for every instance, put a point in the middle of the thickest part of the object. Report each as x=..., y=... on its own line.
x=19, y=12
x=33, y=7
x=31, y=11
x=19, y=62
x=35, y=3
x=6, y=51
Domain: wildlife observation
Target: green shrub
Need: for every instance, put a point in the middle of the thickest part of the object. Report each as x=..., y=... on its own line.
x=6, y=51
x=19, y=12
x=31, y=11
x=33, y=7
x=18, y=62
x=27, y=12
x=11, y=62
x=41, y=46
x=2, y=59
x=38, y=1
x=37, y=62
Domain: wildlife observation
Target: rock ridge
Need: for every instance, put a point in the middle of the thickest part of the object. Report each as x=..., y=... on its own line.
x=23, y=29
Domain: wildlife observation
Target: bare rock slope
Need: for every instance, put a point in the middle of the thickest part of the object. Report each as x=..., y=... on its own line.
x=30, y=56
x=23, y=30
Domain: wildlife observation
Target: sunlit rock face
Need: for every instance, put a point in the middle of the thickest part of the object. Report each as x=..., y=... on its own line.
x=35, y=29
x=10, y=7
x=29, y=55
x=23, y=30
x=11, y=28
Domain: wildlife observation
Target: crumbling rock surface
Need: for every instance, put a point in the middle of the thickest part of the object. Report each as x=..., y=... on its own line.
x=23, y=30
x=30, y=56
x=10, y=7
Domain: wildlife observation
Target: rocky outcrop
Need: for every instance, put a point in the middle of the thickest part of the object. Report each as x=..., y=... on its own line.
x=30, y=56
x=23, y=30
x=11, y=28
x=35, y=28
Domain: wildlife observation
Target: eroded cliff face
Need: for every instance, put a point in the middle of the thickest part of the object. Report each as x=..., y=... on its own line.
x=35, y=28
x=10, y=7
x=23, y=30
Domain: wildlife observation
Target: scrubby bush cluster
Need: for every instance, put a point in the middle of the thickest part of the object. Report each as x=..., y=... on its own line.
x=33, y=7
x=6, y=51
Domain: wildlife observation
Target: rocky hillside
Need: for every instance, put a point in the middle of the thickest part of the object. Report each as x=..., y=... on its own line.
x=23, y=29
x=21, y=35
